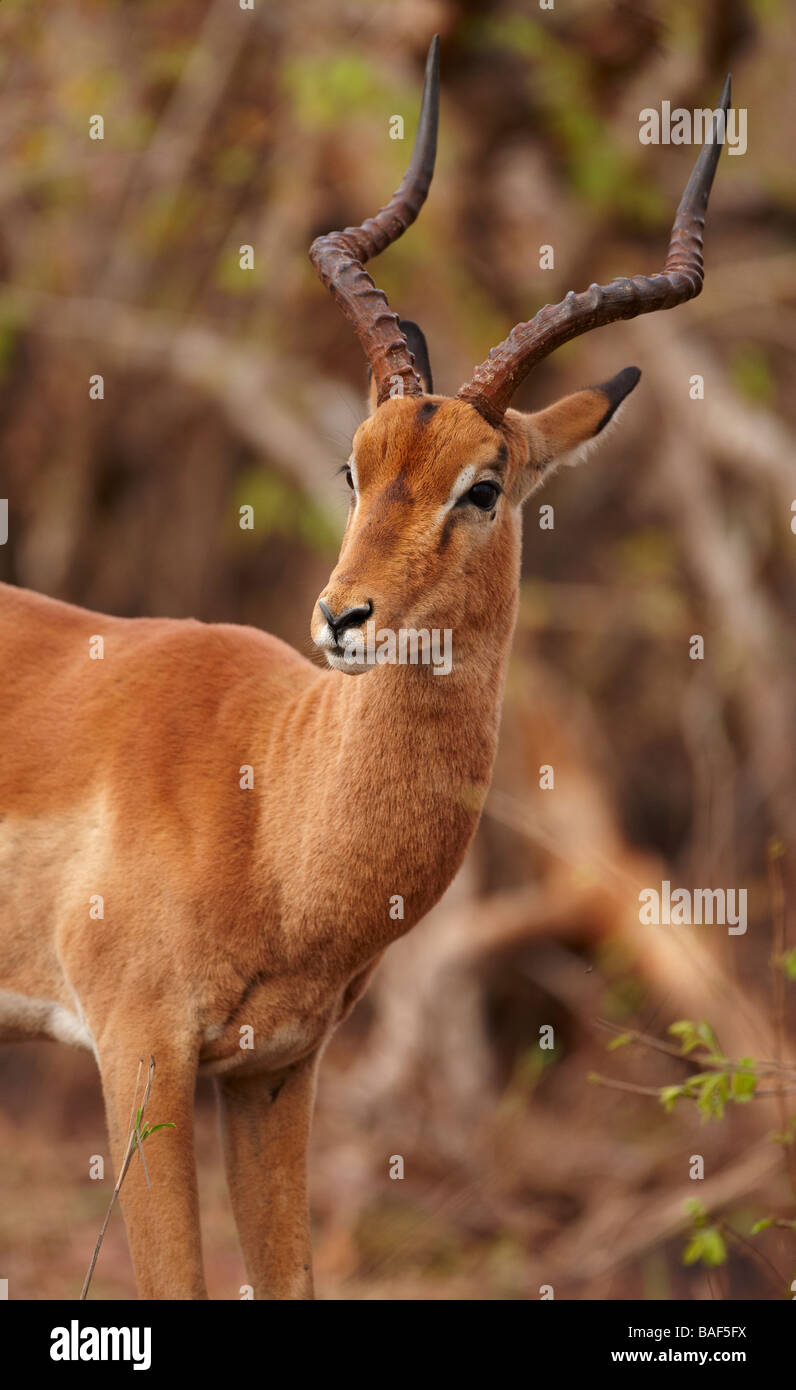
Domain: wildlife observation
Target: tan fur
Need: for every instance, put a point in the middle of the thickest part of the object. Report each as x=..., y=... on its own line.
x=269, y=907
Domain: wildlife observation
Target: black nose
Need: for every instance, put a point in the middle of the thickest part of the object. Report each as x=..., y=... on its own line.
x=352, y=617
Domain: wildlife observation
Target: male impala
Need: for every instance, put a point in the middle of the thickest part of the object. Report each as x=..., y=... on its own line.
x=231, y=907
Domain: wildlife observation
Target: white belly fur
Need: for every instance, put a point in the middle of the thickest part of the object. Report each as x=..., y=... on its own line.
x=41, y=1018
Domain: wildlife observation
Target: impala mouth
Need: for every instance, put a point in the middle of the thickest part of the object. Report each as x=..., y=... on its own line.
x=348, y=666
x=344, y=653
x=358, y=650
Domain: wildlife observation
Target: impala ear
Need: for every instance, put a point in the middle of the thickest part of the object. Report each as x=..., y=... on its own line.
x=419, y=350
x=566, y=433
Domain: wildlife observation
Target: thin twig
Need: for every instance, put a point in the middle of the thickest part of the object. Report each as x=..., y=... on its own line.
x=656, y=1090
x=133, y=1142
x=753, y=1250
x=624, y=1085
x=723, y=1064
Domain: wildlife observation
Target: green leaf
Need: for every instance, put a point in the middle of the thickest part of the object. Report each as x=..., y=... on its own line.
x=744, y=1083
x=681, y=1027
x=713, y=1091
x=686, y=1031
x=621, y=1041
x=762, y=1225
x=714, y=1246
x=707, y=1036
x=669, y=1095
x=693, y=1250
x=694, y=1035
x=707, y=1246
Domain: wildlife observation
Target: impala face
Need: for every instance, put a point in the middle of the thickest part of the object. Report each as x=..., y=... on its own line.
x=432, y=540
x=432, y=536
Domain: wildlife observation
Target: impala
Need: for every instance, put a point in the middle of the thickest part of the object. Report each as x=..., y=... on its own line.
x=258, y=829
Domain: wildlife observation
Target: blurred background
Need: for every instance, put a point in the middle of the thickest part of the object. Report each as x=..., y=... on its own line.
x=120, y=257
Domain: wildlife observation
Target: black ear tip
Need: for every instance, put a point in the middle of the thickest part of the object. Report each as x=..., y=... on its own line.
x=627, y=379
x=620, y=385
x=616, y=390
x=417, y=346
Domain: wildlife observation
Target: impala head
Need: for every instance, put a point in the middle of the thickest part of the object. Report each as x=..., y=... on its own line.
x=437, y=483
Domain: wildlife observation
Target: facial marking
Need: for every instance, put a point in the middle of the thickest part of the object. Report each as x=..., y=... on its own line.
x=491, y=470
x=397, y=491
x=427, y=411
x=463, y=483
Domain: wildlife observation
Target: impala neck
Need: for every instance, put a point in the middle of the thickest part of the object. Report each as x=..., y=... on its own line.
x=408, y=763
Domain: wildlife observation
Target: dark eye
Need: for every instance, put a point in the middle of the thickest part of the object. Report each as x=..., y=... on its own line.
x=483, y=495
x=349, y=477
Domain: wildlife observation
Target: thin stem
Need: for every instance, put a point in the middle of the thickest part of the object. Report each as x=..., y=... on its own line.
x=133, y=1141
x=656, y=1090
x=753, y=1250
x=725, y=1064
x=624, y=1085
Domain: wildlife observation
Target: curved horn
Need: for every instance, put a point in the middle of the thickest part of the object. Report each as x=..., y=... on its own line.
x=338, y=257
x=494, y=382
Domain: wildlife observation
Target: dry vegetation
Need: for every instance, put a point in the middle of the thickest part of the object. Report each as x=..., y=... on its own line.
x=222, y=387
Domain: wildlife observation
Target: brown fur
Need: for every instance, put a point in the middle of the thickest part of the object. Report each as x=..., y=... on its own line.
x=268, y=907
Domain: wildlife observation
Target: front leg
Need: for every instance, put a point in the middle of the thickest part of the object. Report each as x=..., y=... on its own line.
x=162, y=1219
x=265, y=1124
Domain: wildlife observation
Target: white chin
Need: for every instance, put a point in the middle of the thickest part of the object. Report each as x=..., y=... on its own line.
x=349, y=668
